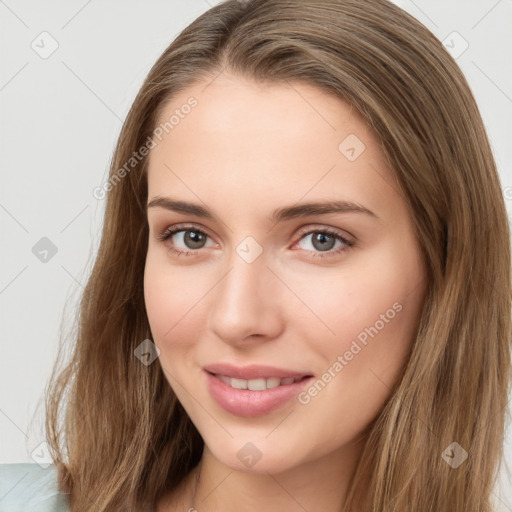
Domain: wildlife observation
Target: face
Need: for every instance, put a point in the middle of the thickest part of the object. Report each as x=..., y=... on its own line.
x=280, y=249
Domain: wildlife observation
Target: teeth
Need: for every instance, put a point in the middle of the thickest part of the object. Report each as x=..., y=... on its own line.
x=226, y=380
x=257, y=384
x=273, y=382
x=238, y=383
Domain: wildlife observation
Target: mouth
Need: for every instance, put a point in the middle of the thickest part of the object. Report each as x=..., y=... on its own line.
x=264, y=389
x=259, y=384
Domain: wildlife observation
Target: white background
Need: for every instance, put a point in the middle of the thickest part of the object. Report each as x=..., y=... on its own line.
x=60, y=118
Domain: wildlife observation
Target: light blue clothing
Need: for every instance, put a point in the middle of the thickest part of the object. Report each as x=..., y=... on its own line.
x=30, y=488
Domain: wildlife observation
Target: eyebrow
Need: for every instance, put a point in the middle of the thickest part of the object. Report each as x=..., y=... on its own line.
x=278, y=215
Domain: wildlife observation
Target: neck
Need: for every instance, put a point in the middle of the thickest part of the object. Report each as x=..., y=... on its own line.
x=319, y=484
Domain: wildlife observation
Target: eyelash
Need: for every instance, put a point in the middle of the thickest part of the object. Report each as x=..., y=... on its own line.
x=170, y=232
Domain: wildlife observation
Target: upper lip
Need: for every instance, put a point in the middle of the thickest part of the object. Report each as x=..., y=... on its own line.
x=253, y=371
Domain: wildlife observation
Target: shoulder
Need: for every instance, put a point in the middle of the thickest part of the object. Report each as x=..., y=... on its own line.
x=31, y=487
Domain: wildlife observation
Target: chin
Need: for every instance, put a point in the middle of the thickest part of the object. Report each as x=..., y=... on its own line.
x=259, y=456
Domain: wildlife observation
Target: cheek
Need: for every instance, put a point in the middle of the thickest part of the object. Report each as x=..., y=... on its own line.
x=378, y=294
x=173, y=302
x=171, y=297
x=358, y=305
x=374, y=312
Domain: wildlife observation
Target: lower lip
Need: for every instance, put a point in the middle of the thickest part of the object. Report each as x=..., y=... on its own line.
x=247, y=403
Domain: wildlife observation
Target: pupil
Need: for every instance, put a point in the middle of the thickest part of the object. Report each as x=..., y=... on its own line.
x=323, y=242
x=194, y=240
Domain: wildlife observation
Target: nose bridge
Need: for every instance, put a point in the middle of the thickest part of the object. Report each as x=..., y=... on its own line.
x=244, y=301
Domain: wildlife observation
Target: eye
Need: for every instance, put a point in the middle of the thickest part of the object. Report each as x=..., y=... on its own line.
x=185, y=239
x=322, y=242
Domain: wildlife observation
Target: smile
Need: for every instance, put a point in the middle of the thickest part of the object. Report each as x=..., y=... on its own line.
x=258, y=384
x=254, y=396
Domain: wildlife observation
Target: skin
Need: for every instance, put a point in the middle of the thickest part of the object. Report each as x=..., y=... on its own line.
x=243, y=151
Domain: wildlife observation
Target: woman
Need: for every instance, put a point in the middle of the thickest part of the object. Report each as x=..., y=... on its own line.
x=301, y=300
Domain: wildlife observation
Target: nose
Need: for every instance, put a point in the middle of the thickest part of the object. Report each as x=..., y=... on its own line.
x=246, y=303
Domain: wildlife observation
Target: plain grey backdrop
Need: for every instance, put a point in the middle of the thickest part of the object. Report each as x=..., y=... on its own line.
x=69, y=71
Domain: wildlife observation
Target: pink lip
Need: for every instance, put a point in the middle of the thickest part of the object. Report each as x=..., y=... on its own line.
x=252, y=371
x=247, y=403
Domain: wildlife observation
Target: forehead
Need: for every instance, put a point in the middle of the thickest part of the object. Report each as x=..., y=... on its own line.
x=245, y=142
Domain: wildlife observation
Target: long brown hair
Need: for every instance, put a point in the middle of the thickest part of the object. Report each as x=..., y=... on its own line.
x=118, y=434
